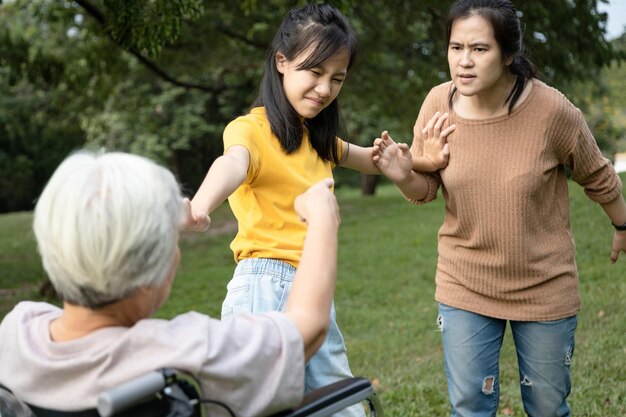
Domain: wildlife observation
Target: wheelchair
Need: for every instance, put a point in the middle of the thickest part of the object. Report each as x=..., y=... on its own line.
x=169, y=393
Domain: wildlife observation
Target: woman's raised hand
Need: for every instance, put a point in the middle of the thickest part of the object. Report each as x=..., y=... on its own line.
x=435, y=140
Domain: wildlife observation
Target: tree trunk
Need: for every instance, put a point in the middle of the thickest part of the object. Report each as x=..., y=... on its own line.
x=369, y=183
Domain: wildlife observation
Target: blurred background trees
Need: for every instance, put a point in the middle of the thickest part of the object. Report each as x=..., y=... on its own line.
x=163, y=77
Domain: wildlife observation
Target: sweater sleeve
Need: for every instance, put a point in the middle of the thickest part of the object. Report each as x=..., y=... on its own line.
x=590, y=168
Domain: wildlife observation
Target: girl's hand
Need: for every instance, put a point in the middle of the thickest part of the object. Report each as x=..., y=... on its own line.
x=435, y=141
x=393, y=159
x=194, y=221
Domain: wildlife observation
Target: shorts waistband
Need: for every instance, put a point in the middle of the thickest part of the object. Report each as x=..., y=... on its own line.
x=264, y=266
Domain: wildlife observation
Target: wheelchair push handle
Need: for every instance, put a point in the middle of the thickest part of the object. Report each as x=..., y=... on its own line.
x=130, y=393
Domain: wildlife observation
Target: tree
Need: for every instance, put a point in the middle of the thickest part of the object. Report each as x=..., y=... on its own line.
x=163, y=77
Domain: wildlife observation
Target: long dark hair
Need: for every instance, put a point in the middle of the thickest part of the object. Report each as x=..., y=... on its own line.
x=326, y=30
x=502, y=15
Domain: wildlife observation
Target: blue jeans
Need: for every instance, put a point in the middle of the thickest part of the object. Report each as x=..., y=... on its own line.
x=260, y=285
x=471, y=348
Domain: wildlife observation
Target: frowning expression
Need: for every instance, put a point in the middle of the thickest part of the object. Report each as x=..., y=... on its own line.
x=311, y=90
x=477, y=66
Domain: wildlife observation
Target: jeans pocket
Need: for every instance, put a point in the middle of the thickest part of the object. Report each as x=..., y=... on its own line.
x=237, y=298
x=282, y=293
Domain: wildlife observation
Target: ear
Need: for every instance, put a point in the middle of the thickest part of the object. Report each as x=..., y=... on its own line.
x=281, y=62
x=509, y=60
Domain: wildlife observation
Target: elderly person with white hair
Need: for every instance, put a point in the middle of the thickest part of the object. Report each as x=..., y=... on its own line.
x=107, y=228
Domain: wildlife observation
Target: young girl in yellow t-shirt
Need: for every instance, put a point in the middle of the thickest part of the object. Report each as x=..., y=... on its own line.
x=286, y=143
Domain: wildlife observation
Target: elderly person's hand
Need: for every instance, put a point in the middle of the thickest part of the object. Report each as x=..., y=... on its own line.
x=194, y=220
x=318, y=201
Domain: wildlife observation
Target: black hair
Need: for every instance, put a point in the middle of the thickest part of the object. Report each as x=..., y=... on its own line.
x=502, y=15
x=326, y=30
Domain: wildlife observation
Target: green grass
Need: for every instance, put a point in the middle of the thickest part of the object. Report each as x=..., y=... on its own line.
x=385, y=303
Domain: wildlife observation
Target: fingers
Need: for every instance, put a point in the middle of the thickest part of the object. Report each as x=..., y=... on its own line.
x=430, y=125
x=619, y=245
x=186, y=218
x=434, y=125
x=438, y=123
x=193, y=220
x=388, y=140
x=444, y=135
x=378, y=146
x=615, y=254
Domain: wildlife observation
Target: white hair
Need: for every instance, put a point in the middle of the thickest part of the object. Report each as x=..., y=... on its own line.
x=107, y=224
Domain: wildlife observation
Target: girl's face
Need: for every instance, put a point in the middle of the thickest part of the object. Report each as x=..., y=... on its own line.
x=310, y=91
x=477, y=66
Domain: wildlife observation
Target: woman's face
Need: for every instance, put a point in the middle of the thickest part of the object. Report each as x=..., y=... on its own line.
x=310, y=91
x=477, y=66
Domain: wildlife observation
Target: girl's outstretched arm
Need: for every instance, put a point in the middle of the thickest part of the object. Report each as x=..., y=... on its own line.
x=226, y=174
x=395, y=162
x=360, y=159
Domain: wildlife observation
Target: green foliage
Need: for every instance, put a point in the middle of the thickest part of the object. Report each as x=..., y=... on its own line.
x=384, y=299
x=146, y=25
x=163, y=78
x=148, y=121
x=566, y=39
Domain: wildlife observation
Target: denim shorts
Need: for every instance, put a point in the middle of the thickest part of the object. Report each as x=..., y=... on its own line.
x=261, y=285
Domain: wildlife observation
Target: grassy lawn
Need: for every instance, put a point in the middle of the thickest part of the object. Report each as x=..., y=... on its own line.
x=385, y=303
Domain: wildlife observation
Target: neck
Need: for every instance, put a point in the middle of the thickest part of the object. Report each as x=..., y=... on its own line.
x=77, y=321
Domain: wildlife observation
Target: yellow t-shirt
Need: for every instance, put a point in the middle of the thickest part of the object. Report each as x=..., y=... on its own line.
x=269, y=227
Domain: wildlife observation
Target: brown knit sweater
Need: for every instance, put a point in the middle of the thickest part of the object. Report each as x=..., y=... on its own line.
x=506, y=248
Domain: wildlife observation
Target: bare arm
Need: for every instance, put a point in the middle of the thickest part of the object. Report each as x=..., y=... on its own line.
x=360, y=159
x=312, y=292
x=423, y=164
x=616, y=210
x=226, y=174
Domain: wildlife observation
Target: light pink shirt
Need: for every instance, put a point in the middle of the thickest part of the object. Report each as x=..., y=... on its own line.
x=254, y=364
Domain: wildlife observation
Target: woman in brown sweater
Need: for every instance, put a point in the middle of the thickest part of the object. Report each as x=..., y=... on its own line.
x=506, y=249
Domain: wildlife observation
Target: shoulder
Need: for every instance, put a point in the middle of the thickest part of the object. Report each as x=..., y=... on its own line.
x=555, y=104
x=21, y=323
x=244, y=129
x=438, y=98
x=563, y=121
x=27, y=310
x=440, y=92
x=442, y=89
x=254, y=120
